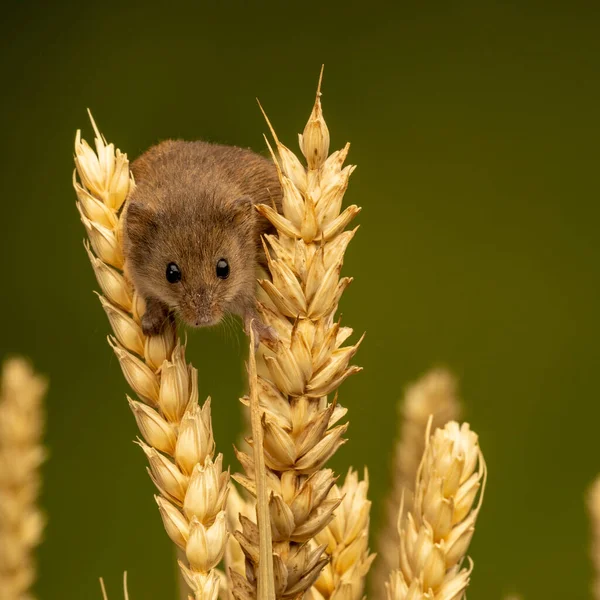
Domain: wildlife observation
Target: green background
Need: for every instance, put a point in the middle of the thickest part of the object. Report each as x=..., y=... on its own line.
x=475, y=127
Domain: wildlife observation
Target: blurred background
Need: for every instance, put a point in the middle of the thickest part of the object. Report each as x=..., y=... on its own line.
x=475, y=127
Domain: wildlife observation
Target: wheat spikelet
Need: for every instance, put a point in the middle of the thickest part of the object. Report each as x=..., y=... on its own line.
x=593, y=506
x=346, y=539
x=176, y=431
x=301, y=430
x=21, y=453
x=435, y=534
x=433, y=395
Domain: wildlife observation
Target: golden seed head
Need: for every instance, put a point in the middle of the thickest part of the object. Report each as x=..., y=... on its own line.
x=297, y=423
x=178, y=435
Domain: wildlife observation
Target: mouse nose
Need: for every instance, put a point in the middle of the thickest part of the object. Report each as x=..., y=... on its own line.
x=202, y=319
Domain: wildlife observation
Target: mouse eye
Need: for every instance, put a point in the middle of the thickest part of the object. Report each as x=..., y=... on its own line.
x=222, y=269
x=173, y=273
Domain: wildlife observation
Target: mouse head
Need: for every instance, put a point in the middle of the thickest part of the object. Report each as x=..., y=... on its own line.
x=199, y=262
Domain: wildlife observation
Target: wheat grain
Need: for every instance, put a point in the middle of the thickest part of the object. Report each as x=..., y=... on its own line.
x=305, y=365
x=21, y=454
x=435, y=534
x=433, y=395
x=176, y=431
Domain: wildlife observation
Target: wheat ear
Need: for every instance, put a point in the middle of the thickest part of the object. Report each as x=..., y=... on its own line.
x=305, y=365
x=435, y=395
x=593, y=506
x=347, y=541
x=177, y=432
x=435, y=534
x=21, y=454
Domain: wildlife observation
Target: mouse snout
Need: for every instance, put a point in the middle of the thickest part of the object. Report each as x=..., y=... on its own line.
x=202, y=319
x=204, y=309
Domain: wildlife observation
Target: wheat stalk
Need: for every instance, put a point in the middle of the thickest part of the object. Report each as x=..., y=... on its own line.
x=435, y=534
x=21, y=454
x=346, y=539
x=433, y=395
x=305, y=365
x=176, y=431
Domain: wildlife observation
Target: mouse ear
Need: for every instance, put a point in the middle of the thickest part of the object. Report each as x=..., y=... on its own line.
x=242, y=210
x=140, y=221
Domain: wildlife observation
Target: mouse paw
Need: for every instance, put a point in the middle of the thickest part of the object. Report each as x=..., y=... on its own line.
x=262, y=333
x=155, y=317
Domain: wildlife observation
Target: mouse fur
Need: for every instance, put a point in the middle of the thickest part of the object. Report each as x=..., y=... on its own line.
x=193, y=205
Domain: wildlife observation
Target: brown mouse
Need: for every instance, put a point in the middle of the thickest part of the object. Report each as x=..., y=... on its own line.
x=192, y=237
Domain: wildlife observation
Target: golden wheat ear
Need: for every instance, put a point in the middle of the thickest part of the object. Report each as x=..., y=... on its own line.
x=21, y=454
x=436, y=532
x=301, y=371
x=433, y=395
x=177, y=432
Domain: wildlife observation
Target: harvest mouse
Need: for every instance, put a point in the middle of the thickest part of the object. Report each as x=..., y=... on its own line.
x=192, y=237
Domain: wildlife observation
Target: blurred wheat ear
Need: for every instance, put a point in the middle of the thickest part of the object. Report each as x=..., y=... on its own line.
x=21, y=454
x=176, y=430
